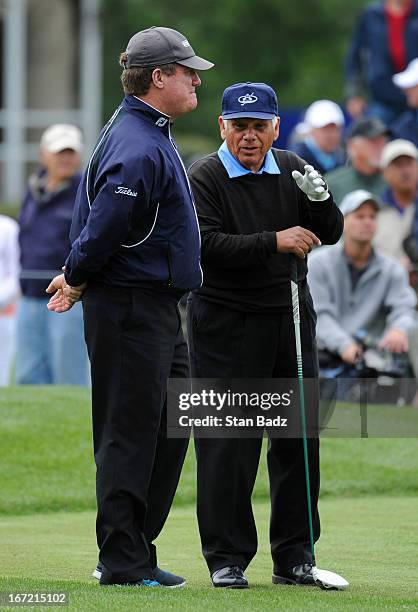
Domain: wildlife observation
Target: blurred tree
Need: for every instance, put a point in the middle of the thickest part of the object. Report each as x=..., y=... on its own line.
x=297, y=47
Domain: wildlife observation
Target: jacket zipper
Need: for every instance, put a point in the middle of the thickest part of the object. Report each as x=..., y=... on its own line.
x=170, y=269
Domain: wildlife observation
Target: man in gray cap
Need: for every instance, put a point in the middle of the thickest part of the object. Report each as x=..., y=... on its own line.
x=136, y=245
x=366, y=138
x=355, y=288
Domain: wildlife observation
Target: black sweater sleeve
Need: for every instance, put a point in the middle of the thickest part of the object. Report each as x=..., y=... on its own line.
x=218, y=247
x=324, y=219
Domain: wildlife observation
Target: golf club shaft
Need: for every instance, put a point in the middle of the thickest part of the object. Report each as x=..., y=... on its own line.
x=296, y=322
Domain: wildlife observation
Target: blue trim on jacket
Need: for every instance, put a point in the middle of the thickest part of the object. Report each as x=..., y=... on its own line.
x=135, y=222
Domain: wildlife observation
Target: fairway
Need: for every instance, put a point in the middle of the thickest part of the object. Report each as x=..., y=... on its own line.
x=362, y=539
x=368, y=507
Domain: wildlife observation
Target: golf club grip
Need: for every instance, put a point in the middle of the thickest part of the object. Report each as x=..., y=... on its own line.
x=293, y=268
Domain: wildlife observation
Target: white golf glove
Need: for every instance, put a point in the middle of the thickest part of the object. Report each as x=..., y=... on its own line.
x=312, y=184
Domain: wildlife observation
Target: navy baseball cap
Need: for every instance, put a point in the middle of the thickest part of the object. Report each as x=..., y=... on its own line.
x=251, y=100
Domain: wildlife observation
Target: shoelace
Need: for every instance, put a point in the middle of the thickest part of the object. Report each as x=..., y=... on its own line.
x=236, y=571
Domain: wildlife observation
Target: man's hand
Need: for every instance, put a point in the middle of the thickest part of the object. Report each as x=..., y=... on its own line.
x=65, y=296
x=394, y=341
x=297, y=240
x=351, y=353
x=312, y=184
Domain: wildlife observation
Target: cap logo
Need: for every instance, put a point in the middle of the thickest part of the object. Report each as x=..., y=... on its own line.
x=247, y=99
x=185, y=43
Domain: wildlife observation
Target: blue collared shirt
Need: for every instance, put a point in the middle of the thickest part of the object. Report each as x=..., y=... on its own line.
x=235, y=169
x=327, y=160
x=388, y=197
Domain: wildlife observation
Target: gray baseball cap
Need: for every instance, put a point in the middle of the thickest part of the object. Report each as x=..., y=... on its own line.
x=353, y=200
x=369, y=127
x=157, y=46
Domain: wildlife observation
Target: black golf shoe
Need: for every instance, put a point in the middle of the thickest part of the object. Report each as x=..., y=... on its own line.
x=231, y=577
x=165, y=579
x=300, y=575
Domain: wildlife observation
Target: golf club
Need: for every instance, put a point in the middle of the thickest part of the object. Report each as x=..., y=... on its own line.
x=323, y=578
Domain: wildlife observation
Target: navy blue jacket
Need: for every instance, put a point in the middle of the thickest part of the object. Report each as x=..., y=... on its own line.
x=368, y=65
x=134, y=222
x=406, y=126
x=45, y=220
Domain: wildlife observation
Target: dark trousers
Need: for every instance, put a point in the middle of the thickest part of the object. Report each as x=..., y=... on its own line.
x=135, y=343
x=225, y=343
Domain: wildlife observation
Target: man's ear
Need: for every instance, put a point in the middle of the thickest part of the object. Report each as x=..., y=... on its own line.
x=277, y=129
x=222, y=128
x=158, y=78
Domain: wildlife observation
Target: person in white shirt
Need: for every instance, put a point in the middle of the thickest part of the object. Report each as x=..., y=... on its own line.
x=9, y=292
x=395, y=221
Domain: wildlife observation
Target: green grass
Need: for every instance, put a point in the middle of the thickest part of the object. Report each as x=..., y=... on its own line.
x=372, y=542
x=368, y=509
x=47, y=459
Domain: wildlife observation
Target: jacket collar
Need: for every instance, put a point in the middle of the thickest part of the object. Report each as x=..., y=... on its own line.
x=388, y=199
x=159, y=119
x=37, y=186
x=374, y=264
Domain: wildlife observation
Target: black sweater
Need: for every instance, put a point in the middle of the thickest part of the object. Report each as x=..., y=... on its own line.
x=238, y=220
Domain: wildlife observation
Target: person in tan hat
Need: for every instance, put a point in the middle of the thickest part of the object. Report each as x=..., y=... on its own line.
x=396, y=217
x=50, y=349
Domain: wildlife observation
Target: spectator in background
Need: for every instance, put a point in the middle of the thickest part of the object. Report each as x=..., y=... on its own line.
x=366, y=139
x=396, y=217
x=9, y=291
x=357, y=289
x=50, y=348
x=384, y=41
x=321, y=148
x=406, y=126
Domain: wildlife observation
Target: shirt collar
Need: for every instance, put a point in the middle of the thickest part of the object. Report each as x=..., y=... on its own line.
x=235, y=169
x=389, y=199
x=158, y=118
x=351, y=263
x=327, y=160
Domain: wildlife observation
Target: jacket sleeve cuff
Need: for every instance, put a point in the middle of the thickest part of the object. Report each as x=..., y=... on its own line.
x=270, y=241
x=75, y=279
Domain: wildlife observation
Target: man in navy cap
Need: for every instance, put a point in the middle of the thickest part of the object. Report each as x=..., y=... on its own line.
x=257, y=207
x=135, y=245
